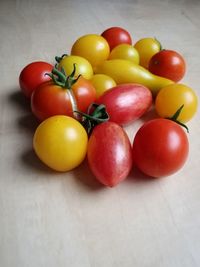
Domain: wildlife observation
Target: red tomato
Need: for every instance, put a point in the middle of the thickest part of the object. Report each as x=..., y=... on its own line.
x=50, y=99
x=33, y=75
x=109, y=153
x=116, y=36
x=160, y=147
x=126, y=102
x=168, y=64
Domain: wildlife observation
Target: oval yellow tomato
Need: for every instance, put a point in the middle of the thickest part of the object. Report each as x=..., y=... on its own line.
x=125, y=51
x=83, y=66
x=60, y=142
x=147, y=47
x=93, y=47
x=172, y=97
x=102, y=83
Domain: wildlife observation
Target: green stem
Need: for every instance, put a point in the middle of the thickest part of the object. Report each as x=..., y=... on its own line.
x=90, y=120
x=175, y=118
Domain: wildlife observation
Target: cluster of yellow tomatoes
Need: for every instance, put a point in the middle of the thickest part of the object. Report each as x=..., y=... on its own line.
x=106, y=83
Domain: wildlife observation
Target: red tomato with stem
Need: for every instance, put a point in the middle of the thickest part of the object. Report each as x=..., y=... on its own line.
x=168, y=64
x=116, y=36
x=160, y=147
x=109, y=153
x=62, y=97
x=33, y=75
x=126, y=102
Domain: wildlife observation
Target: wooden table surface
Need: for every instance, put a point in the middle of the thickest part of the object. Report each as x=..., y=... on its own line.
x=50, y=219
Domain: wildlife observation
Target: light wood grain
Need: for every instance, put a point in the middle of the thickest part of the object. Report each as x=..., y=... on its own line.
x=49, y=219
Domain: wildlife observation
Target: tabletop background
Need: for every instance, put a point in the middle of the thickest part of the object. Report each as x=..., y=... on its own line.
x=50, y=219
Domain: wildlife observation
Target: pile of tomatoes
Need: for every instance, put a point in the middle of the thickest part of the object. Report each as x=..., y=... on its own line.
x=84, y=101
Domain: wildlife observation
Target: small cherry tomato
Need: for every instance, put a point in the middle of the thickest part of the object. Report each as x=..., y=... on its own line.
x=61, y=143
x=147, y=47
x=172, y=97
x=93, y=47
x=116, y=36
x=83, y=66
x=160, y=147
x=168, y=64
x=33, y=75
x=62, y=98
x=109, y=153
x=126, y=102
x=102, y=83
x=125, y=51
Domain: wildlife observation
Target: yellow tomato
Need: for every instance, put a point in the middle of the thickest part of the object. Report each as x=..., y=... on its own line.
x=172, y=97
x=125, y=51
x=102, y=83
x=60, y=142
x=93, y=47
x=147, y=47
x=83, y=66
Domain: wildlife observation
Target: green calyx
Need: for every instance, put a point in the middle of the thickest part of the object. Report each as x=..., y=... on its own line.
x=60, y=78
x=58, y=59
x=175, y=118
x=95, y=115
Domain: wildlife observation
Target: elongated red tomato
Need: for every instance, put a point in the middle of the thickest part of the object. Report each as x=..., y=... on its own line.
x=109, y=153
x=160, y=147
x=126, y=102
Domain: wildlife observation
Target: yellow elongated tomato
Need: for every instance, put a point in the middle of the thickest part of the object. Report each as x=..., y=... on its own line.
x=93, y=47
x=172, y=97
x=102, y=83
x=60, y=142
x=125, y=51
x=83, y=66
x=147, y=47
x=125, y=71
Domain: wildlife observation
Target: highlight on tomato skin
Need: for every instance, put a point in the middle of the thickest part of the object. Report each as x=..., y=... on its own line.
x=126, y=103
x=109, y=153
x=160, y=148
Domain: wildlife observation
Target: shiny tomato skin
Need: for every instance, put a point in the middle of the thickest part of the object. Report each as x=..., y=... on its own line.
x=116, y=36
x=109, y=153
x=126, y=102
x=33, y=75
x=50, y=99
x=60, y=142
x=168, y=64
x=160, y=147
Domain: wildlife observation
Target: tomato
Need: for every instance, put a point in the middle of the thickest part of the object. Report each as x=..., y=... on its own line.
x=61, y=143
x=125, y=71
x=160, y=147
x=83, y=66
x=102, y=83
x=50, y=99
x=125, y=51
x=168, y=64
x=93, y=47
x=147, y=47
x=172, y=97
x=33, y=75
x=116, y=36
x=109, y=153
x=126, y=102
